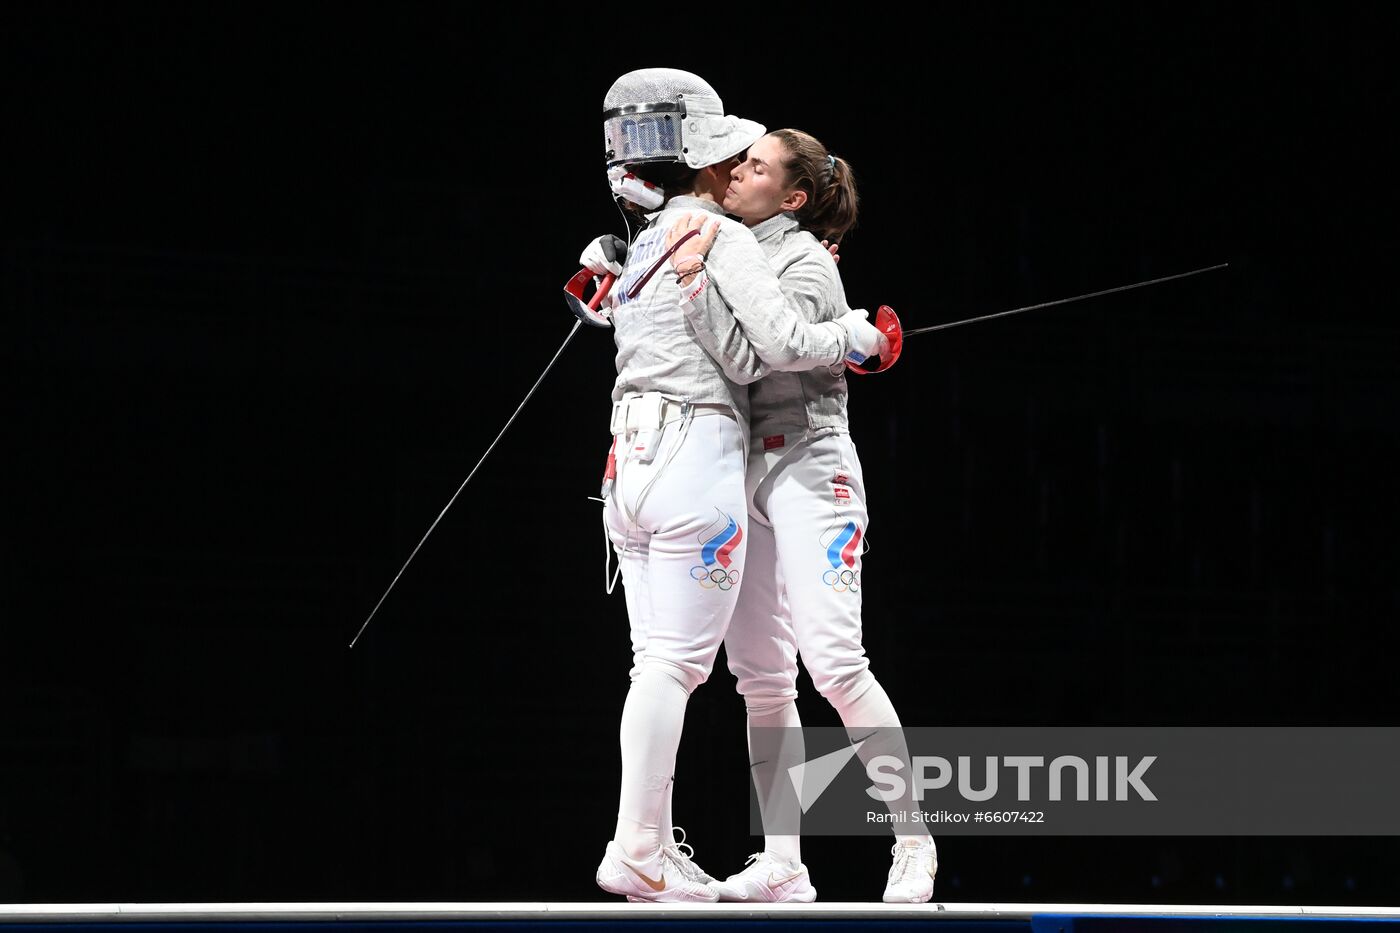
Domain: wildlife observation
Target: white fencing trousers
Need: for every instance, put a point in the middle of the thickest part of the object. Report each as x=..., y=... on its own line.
x=678, y=524
x=802, y=596
x=802, y=585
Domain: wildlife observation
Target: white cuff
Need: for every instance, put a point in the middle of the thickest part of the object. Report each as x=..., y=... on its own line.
x=697, y=285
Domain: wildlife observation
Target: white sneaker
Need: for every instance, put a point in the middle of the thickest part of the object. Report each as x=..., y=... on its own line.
x=767, y=877
x=911, y=876
x=683, y=854
x=659, y=878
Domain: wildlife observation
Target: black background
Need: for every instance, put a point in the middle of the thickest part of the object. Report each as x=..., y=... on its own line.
x=273, y=279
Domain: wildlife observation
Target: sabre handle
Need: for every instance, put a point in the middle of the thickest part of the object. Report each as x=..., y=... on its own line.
x=588, y=312
x=604, y=287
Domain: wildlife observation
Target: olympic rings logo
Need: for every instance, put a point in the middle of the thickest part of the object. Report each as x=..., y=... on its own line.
x=844, y=580
x=718, y=577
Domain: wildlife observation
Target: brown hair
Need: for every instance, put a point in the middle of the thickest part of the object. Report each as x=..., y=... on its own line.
x=832, y=201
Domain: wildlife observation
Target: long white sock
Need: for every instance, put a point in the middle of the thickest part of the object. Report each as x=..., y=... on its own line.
x=873, y=709
x=770, y=774
x=667, y=825
x=652, y=719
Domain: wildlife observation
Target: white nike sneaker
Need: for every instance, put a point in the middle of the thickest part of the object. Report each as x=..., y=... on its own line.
x=684, y=856
x=768, y=878
x=911, y=876
x=660, y=878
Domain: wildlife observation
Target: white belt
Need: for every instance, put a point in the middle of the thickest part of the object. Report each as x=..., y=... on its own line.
x=651, y=411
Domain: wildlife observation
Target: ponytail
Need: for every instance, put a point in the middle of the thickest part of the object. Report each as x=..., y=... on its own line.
x=832, y=200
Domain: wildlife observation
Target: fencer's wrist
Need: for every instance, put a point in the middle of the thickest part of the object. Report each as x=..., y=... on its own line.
x=842, y=335
x=690, y=266
x=691, y=286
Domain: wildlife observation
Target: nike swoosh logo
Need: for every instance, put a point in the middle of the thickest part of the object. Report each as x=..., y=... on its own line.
x=775, y=882
x=657, y=885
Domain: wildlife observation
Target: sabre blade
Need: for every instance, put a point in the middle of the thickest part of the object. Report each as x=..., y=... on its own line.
x=1065, y=301
x=577, y=324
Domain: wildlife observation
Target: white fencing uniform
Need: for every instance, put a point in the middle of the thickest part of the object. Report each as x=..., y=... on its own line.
x=677, y=514
x=678, y=526
x=802, y=590
x=805, y=492
x=689, y=484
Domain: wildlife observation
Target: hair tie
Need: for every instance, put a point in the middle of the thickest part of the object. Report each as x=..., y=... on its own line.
x=832, y=159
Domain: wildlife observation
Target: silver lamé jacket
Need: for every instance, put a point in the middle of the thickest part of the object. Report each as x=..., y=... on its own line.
x=659, y=341
x=812, y=400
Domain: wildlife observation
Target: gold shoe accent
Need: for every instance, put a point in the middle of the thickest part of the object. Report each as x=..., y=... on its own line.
x=657, y=885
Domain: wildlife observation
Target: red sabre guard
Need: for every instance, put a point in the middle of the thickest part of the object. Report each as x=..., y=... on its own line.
x=887, y=323
x=588, y=313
